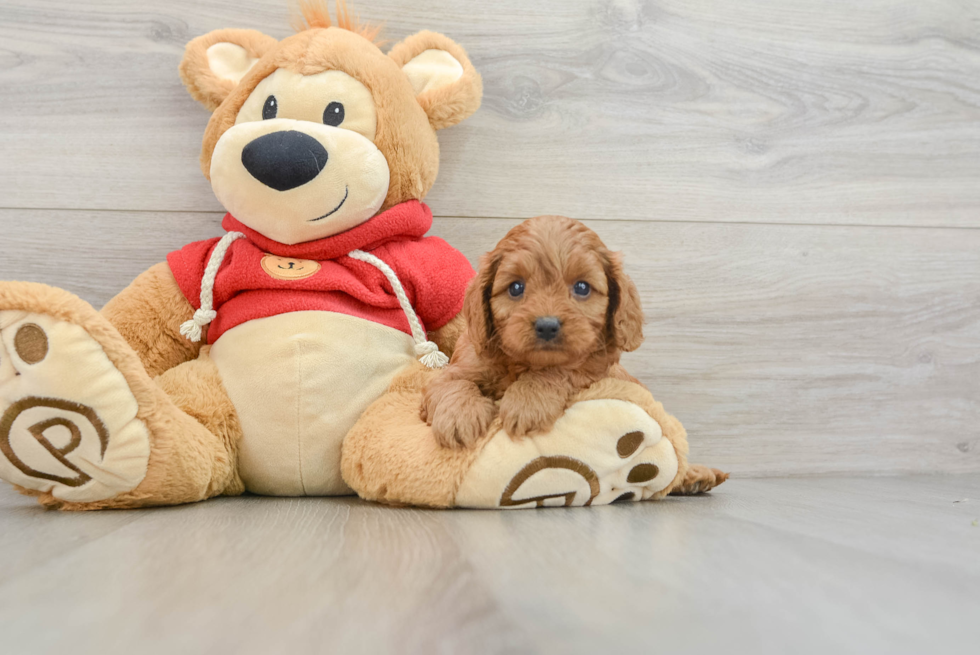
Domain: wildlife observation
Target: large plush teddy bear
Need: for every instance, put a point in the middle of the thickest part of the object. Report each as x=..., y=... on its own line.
x=287, y=357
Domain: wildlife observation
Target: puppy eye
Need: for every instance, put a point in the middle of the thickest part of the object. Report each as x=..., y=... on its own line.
x=581, y=289
x=333, y=115
x=516, y=289
x=270, y=108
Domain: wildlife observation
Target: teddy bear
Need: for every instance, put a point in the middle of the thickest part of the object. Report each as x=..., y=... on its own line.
x=287, y=356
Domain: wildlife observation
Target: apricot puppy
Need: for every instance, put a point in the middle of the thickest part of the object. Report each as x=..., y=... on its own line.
x=547, y=315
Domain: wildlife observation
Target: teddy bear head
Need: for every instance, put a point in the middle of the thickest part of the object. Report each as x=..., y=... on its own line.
x=317, y=133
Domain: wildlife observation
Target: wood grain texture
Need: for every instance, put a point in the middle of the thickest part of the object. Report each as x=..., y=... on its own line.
x=678, y=110
x=836, y=565
x=783, y=349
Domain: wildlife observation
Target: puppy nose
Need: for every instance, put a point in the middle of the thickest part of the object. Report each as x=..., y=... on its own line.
x=547, y=328
x=284, y=160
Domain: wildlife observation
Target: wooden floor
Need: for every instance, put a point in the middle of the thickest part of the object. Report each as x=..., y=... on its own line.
x=806, y=565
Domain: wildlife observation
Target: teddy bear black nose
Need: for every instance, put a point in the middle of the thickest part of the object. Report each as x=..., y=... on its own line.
x=284, y=160
x=547, y=328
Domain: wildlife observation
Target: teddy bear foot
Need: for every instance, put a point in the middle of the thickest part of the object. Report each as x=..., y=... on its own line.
x=599, y=452
x=68, y=419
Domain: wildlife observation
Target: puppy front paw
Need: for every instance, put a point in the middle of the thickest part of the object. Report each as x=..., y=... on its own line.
x=524, y=416
x=462, y=426
x=699, y=479
x=459, y=414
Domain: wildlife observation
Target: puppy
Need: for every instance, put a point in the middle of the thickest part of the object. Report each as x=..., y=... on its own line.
x=547, y=315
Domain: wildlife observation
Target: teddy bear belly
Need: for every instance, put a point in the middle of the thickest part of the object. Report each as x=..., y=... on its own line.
x=299, y=382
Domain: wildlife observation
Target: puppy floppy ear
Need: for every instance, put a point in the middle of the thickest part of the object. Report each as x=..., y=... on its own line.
x=476, y=305
x=624, y=314
x=213, y=64
x=445, y=82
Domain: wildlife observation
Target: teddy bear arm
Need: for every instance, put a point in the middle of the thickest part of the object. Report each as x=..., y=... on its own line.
x=148, y=314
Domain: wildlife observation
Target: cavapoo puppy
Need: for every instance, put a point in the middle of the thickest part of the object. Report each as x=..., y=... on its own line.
x=547, y=315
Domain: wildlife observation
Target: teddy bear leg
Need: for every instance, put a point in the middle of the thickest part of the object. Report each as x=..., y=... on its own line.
x=599, y=452
x=82, y=426
x=390, y=455
x=615, y=443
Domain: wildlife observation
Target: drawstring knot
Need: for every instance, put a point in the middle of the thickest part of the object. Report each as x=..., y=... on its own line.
x=430, y=355
x=194, y=328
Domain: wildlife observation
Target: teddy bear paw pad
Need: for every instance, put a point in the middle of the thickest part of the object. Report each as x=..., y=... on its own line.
x=68, y=421
x=599, y=452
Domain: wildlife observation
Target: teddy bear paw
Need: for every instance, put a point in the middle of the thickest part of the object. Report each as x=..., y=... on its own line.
x=599, y=452
x=68, y=423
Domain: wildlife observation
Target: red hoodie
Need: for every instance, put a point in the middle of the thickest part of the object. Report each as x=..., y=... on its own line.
x=260, y=277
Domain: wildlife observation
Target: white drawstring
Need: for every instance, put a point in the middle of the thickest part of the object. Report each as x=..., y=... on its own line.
x=192, y=328
x=427, y=351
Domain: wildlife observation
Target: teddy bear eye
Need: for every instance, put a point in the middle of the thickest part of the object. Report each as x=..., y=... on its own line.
x=516, y=289
x=581, y=289
x=333, y=115
x=270, y=108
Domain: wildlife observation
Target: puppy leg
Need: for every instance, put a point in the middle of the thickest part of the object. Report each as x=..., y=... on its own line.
x=459, y=414
x=698, y=480
x=533, y=403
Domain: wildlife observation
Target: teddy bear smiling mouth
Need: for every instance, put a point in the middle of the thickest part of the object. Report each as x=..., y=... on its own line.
x=335, y=209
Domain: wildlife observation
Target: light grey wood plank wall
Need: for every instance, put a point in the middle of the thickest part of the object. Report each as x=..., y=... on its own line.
x=784, y=349
x=796, y=187
x=797, y=111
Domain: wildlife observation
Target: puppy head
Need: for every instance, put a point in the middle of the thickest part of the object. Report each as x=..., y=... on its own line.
x=551, y=294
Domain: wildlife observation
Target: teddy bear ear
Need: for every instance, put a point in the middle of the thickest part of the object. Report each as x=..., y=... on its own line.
x=213, y=64
x=445, y=82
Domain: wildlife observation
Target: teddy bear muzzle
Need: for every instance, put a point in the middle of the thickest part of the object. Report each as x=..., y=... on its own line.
x=295, y=181
x=284, y=160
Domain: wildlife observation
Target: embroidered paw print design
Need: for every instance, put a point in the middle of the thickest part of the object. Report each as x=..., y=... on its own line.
x=288, y=268
x=559, y=462
x=599, y=452
x=67, y=417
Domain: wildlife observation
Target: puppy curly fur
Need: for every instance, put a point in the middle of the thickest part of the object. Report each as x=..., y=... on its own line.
x=502, y=357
